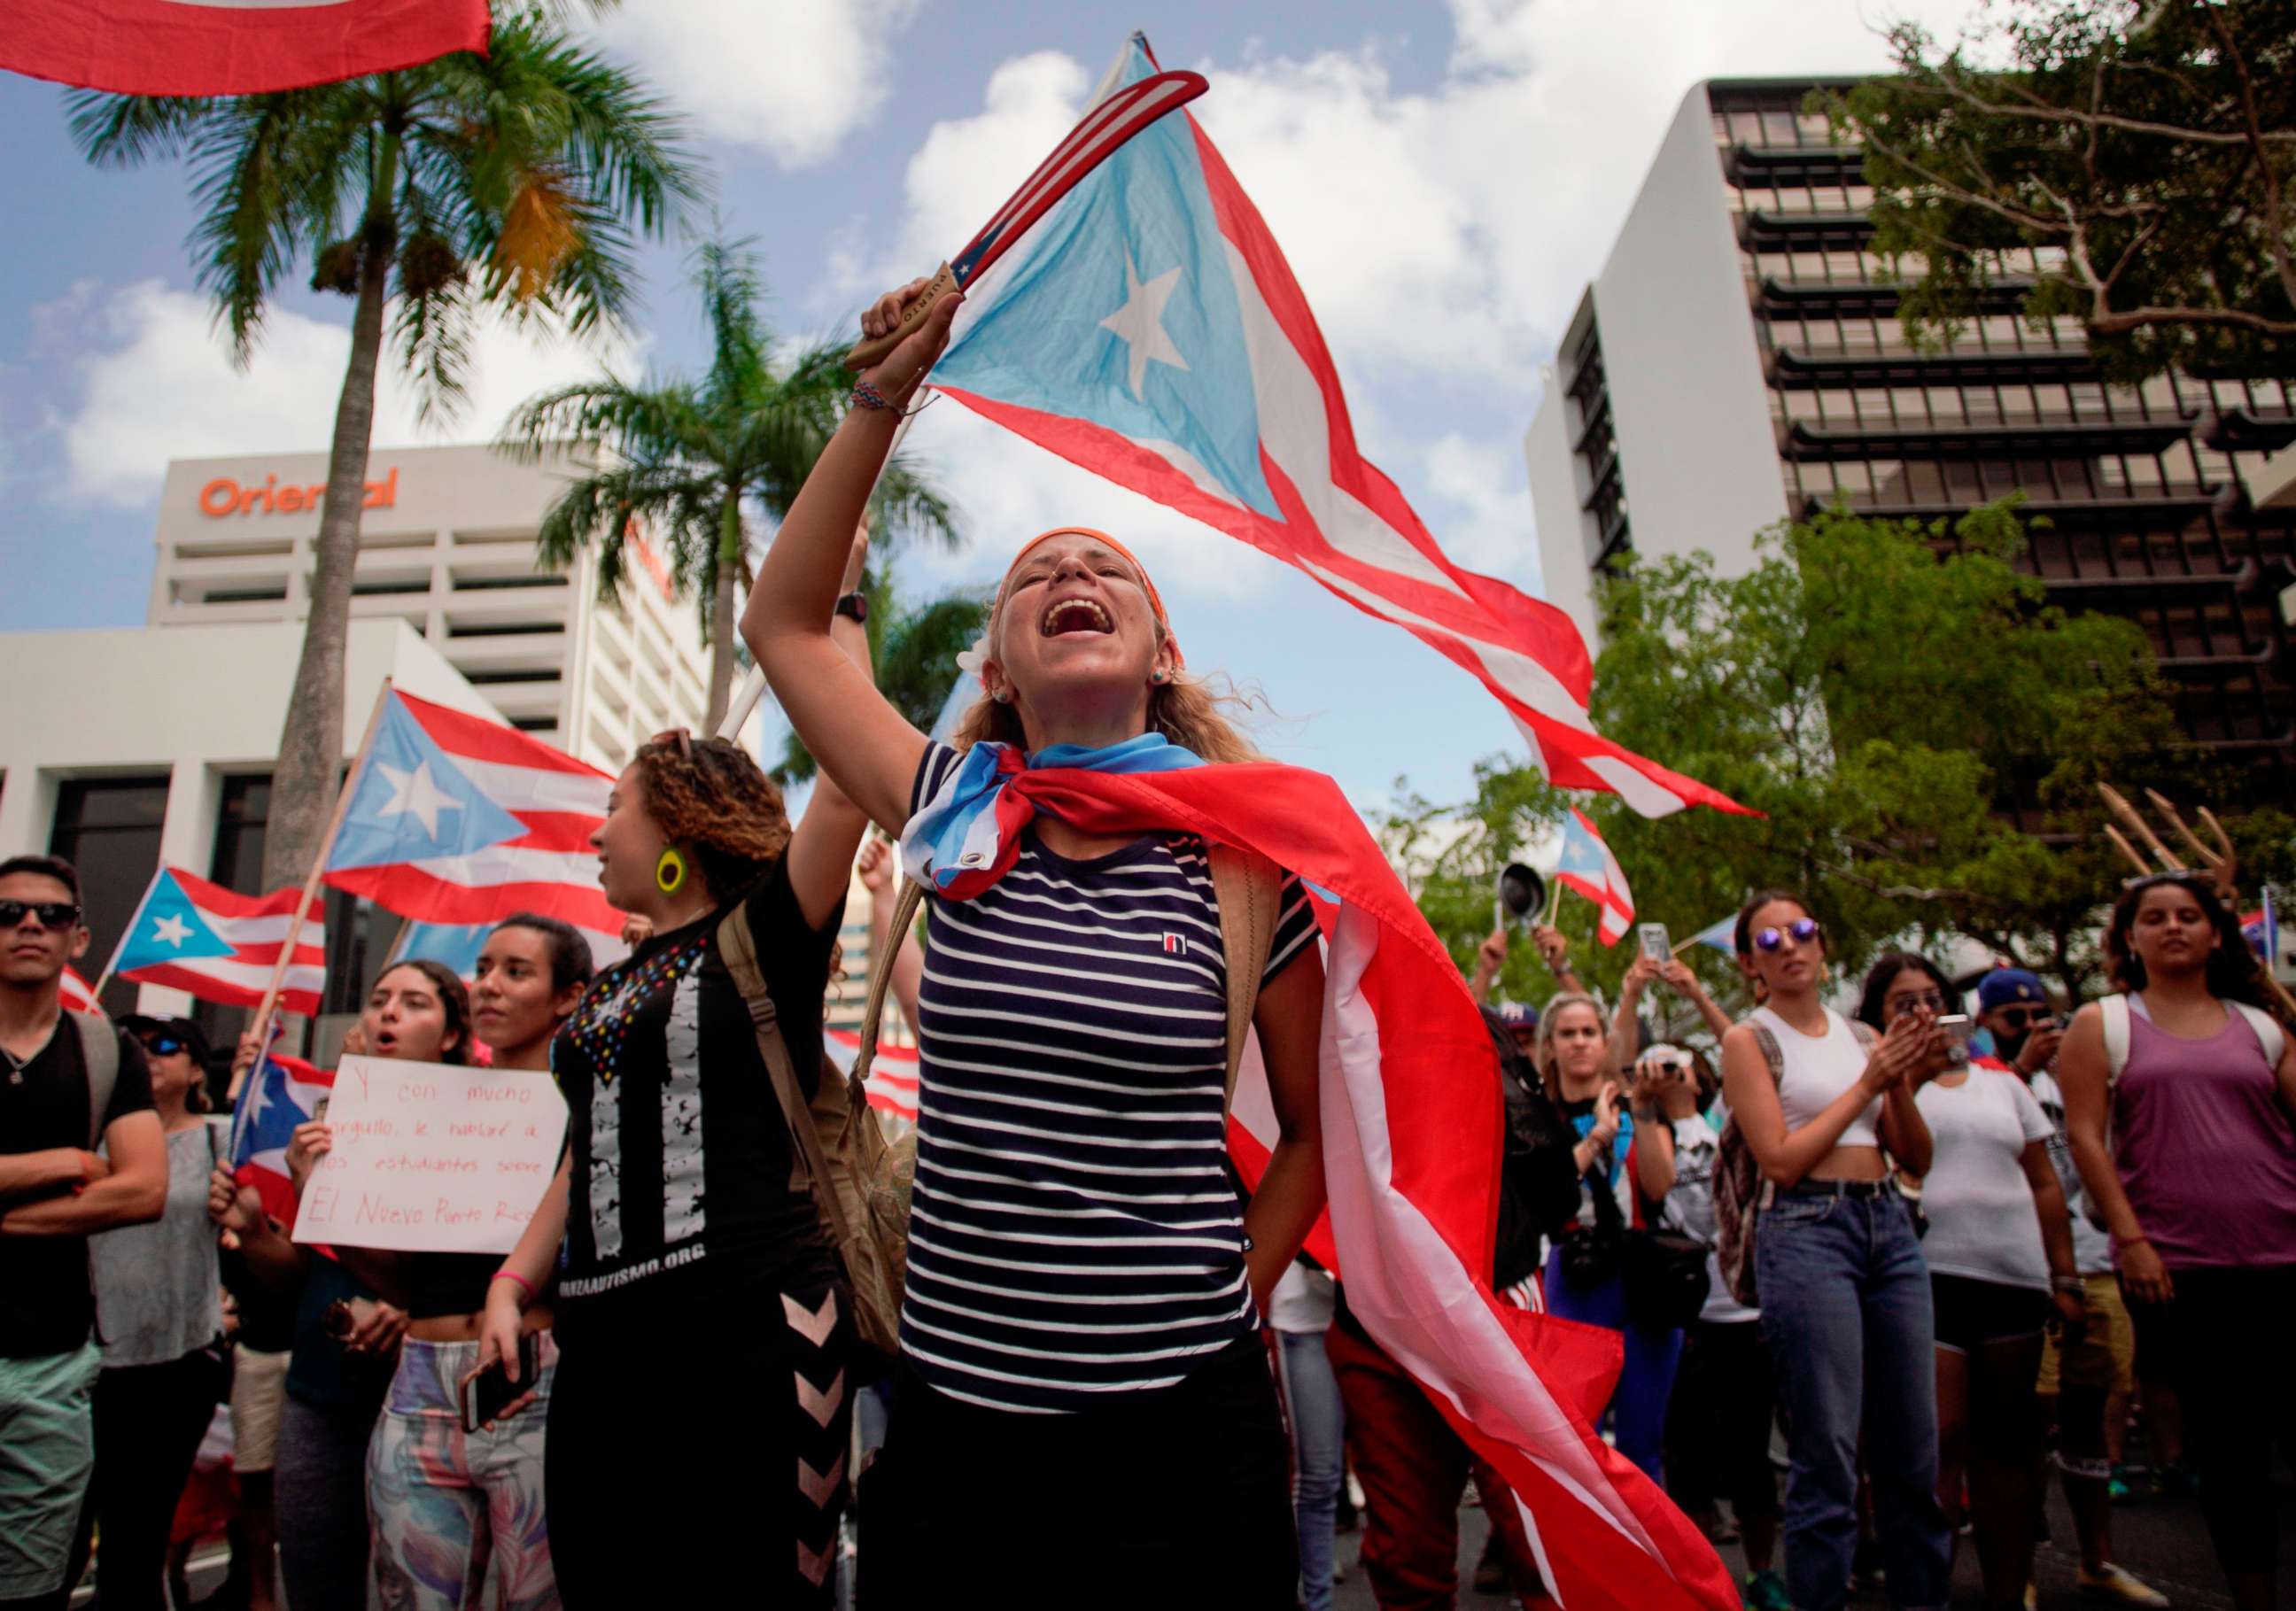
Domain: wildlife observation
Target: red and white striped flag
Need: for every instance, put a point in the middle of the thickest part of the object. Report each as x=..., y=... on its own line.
x=229, y=47
x=77, y=994
x=1150, y=331
x=892, y=1082
x=220, y=945
x=1588, y=868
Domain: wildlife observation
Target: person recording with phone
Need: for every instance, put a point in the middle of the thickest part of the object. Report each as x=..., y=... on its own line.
x=1658, y=965
x=1844, y=1292
x=2000, y=1253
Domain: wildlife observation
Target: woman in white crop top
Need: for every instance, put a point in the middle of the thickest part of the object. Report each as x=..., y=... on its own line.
x=1844, y=1294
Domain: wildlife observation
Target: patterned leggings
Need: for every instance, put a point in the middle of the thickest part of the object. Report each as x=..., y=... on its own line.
x=445, y=1501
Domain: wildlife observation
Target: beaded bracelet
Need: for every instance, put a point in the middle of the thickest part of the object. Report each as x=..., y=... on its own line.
x=524, y=1285
x=866, y=395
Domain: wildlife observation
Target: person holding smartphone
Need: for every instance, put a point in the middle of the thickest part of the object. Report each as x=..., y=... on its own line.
x=1844, y=1293
x=2000, y=1254
x=452, y=1494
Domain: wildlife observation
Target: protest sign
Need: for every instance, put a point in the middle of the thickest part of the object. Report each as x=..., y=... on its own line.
x=429, y=1158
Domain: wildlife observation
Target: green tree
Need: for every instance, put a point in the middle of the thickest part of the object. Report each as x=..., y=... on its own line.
x=516, y=180
x=683, y=455
x=2137, y=158
x=915, y=652
x=1921, y=729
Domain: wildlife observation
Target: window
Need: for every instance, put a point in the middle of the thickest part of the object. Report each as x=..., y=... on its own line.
x=109, y=828
x=500, y=629
x=364, y=589
x=238, y=596
x=495, y=583
x=484, y=679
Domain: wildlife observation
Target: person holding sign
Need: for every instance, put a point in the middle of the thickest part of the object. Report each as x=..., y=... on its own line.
x=702, y=1322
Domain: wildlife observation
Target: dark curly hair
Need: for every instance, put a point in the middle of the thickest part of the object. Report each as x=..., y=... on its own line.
x=711, y=796
x=454, y=1000
x=2233, y=973
x=1873, y=1005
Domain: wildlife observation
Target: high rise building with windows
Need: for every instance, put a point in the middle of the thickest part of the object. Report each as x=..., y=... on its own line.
x=447, y=545
x=1738, y=361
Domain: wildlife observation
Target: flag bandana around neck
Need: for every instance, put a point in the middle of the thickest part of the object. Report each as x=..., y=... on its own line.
x=968, y=835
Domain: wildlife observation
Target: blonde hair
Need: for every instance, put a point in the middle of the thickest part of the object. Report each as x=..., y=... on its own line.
x=1186, y=710
x=1542, y=1055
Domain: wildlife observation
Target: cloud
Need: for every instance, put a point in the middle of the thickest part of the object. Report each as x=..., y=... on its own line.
x=157, y=384
x=789, y=77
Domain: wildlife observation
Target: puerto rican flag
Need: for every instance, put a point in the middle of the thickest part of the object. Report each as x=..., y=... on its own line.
x=1150, y=331
x=281, y=1095
x=220, y=945
x=230, y=47
x=77, y=995
x=1412, y=1117
x=1588, y=868
x=893, y=1084
x=460, y=820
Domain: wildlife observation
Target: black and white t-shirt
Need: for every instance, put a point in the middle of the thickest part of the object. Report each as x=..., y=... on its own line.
x=1075, y=1231
x=681, y=1154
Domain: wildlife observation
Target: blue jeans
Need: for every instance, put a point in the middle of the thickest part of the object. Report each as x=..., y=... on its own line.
x=1846, y=1313
x=1637, y=1407
x=1312, y=1391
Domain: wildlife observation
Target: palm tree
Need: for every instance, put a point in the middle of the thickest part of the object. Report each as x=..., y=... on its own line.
x=682, y=456
x=515, y=180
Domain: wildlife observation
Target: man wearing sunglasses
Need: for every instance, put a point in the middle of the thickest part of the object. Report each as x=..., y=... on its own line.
x=55, y=1190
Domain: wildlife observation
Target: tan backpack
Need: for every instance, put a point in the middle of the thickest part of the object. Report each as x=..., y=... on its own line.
x=861, y=1180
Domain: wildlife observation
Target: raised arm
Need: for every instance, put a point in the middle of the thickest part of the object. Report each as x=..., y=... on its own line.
x=856, y=734
x=135, y=1191
x=876, y=869
x=1682, y=978
x=821, y=848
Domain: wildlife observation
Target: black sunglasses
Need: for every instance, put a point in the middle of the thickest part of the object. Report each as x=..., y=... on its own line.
x=53, y=914
x=1802, y=931
x=2017, y=1018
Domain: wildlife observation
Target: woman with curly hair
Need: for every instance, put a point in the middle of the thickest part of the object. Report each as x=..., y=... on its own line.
x=1085, y=1284
x=2180, y=1103
x=702, y=1326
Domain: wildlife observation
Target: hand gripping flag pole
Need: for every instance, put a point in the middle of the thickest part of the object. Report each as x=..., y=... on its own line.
x=1112, y=118
x=343, y=792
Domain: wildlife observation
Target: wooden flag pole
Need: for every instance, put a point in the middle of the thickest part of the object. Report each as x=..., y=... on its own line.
x=753, y=686
x=294, y=938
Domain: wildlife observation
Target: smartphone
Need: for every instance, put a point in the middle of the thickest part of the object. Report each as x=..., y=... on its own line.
x=484, y=1393
x=1655, y=944
x=1956, y=1024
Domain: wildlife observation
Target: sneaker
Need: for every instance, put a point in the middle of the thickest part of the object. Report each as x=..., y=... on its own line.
x=1766, y=1591
x=2113, y=1586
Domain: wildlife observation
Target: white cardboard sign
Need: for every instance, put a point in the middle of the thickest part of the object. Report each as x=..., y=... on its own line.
x=429, y=1158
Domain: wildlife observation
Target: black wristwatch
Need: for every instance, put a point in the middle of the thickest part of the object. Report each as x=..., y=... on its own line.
x=854, y=606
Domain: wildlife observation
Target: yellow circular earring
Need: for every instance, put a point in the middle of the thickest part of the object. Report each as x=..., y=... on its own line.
x=669, y=872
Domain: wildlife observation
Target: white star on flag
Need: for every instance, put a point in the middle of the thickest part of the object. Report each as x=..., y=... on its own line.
x=1140, y=321
x=415, y=793
x=172, y=929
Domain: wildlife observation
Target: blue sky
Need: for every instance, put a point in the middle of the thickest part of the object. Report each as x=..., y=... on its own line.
x=1444, y=178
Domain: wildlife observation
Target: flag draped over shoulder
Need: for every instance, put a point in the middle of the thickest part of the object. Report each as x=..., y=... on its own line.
x=1150, y=331
x=219, y=945
x=458, y=821
x=229, y=47
x=1412, y=1127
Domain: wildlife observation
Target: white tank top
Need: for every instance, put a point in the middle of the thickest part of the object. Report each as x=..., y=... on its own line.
x=1818, y=1069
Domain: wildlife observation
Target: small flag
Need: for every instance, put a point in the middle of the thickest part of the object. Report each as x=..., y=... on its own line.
x=77, y=995
x=220, y=945
x=230, y=47
x=1722, y=936
x=1588, y=867
x=2261, y=930
x=285, y=1091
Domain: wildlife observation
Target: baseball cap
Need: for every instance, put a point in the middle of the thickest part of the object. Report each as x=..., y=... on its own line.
x=144, y=1025
x=1517, y=1014
x=2009, y=988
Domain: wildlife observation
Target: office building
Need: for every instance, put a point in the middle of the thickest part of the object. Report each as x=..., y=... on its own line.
x=1738, y=361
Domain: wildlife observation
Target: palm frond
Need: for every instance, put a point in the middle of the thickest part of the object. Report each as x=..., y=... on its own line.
x=122, y=131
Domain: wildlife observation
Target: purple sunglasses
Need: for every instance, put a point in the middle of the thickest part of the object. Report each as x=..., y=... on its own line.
x=1802, y=931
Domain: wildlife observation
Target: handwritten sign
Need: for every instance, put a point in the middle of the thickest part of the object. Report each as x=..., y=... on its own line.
x=429, y=1158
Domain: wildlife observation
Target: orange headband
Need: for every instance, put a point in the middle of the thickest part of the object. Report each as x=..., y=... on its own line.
x=1155, y=599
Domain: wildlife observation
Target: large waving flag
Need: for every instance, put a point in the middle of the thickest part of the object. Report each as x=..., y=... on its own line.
x=1588, y=867
x=1412, y=1113
x=1152, y=332
x=457, y=820
x=230, y=47
x=285, y=1091
x=219, y=945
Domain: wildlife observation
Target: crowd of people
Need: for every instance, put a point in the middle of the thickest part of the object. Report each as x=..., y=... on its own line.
x=1913, y=1244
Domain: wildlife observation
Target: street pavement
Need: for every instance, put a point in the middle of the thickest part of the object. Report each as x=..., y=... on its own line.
x=2160, y=1539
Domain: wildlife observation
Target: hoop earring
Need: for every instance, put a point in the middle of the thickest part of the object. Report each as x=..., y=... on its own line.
x=669, y=871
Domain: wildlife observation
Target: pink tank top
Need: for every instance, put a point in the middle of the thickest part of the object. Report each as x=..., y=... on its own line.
x=2206, y=1151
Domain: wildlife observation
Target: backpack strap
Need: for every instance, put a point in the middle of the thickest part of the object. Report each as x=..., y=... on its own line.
x=2269, y=1032
x=1773, y=1054
x=1248, y=888
x=99, y=1048
x=2112, y=1015
x=808, y=1161
x=880, y=976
